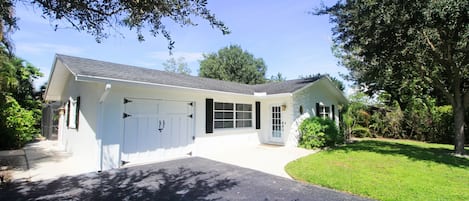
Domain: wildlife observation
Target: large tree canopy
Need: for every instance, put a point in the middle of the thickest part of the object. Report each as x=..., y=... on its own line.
x=232, y=63
x=99, y=17
x=388, y=45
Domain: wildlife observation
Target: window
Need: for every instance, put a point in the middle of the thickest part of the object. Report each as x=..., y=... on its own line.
x=243, y=115
x=230, y=115
x=73, y=111
x=224, y=115
x=325, y=111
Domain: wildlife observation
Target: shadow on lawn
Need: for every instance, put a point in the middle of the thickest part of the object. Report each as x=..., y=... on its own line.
x=125, y=184
x=438, y=155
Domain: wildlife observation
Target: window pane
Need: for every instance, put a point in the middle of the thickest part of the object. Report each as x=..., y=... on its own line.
x=218, y=106
x=243, y=107
x=219, y=124
x=228, y=106
x=243, y=123
x=218, y=115
x=228, y=115
x=243, y=115
x=228, y=124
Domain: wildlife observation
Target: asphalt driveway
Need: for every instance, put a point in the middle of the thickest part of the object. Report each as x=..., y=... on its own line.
x=191, y=178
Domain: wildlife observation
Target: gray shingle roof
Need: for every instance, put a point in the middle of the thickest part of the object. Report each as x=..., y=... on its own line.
x=107, y=70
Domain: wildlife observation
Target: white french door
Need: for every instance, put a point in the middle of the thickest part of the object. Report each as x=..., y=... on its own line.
x=277, y=126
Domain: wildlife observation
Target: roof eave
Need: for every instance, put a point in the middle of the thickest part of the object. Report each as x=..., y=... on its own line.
x=88, y=78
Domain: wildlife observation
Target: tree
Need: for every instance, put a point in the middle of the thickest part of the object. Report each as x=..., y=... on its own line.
x=96, y=17
x=387, y=43
x=20, y=108
x=277, y=78
x=177, y=66
x=339, y=84
x=233, y=64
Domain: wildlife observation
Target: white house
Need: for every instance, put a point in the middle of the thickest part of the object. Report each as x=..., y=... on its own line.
x=113, y=114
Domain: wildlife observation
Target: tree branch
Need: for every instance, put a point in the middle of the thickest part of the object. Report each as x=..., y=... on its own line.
x=428, y=41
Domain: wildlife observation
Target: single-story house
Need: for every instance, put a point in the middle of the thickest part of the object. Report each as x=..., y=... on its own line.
x=114, y=114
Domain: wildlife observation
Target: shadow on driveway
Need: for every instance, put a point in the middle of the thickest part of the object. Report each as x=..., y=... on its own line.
x=185, y=179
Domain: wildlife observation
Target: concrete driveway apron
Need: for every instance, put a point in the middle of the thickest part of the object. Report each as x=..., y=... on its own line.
x=191, y=178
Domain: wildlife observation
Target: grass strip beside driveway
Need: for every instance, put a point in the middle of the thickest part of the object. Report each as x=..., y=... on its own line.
x=388, y=170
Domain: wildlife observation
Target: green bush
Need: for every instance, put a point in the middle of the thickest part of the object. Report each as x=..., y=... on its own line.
x=17, y=125
x=317, y=132
x=360, y=131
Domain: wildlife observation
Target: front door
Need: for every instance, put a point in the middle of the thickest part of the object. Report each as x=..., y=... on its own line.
x=277, y=124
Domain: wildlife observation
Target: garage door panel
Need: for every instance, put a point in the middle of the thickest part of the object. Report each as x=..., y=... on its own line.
x=157, y=130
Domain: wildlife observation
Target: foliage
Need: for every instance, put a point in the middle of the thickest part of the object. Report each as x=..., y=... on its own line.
x=360, y=131
x=441, y=125
x=421, y=120
x=387, y=170
x=17, y=125
x=338, y=83
x=390, y=45
x=317, y=132
x=99, y=17
x=177, y=66
x=20, y=106
x=277, y=78
x=353, y=113
x=232, y=63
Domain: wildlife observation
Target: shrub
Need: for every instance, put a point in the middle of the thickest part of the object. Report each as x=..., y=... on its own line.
x=360, y=131
x=317, y=132
x=17, y=125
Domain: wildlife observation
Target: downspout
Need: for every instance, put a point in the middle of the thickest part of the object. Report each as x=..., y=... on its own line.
x=99, y=136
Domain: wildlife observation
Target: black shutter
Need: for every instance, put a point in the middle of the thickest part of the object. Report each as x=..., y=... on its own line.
x=258, y=115
x=317, y=110
x=333, y=112
x=68, y=113
x=77, y=112
x=208, y=115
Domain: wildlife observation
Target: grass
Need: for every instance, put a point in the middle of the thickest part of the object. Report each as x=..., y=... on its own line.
x=388, y=170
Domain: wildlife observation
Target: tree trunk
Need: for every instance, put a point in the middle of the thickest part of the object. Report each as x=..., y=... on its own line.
x=458, y=111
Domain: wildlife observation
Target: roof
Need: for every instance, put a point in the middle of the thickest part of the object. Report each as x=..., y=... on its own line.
x=82, y=67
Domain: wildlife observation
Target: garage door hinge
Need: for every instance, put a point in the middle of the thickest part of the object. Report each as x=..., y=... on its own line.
x=190, y=116
x=127, y=101
x=190, y=103
x=125, y=115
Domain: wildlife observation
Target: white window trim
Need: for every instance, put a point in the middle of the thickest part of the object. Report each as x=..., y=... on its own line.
x=234, y=111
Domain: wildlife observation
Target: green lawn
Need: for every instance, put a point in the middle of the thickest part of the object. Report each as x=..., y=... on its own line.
x=388, y=170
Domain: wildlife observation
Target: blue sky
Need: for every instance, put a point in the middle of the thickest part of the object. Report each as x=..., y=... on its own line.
x=290, y=40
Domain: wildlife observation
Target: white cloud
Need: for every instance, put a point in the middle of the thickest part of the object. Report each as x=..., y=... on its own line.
x=41, y=48
x=188, y=56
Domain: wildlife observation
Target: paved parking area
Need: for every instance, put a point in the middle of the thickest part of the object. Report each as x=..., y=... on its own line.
x=191, y=178
x=38, y=161
x=266, y=158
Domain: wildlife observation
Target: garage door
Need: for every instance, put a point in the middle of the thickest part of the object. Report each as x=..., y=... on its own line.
x=156, y=130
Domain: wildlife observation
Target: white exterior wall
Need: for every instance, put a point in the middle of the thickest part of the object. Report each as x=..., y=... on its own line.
x=81, y=142
x=113, y=124
x=308, y=97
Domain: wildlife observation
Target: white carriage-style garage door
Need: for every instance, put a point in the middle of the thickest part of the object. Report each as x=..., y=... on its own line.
x=156, y=130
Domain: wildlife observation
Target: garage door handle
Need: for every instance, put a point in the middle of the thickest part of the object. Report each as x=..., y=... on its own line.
x=160, y=126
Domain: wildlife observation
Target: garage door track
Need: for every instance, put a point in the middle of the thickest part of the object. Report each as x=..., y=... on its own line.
x=191, y=178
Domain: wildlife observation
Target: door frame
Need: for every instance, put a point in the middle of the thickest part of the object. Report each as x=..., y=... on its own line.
x=271, y=138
